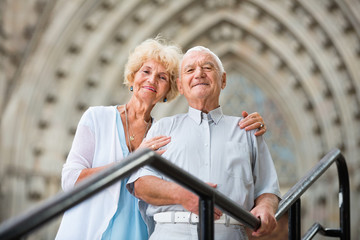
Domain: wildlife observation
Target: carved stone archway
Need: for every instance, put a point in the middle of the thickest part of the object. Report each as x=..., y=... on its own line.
x=296, y=62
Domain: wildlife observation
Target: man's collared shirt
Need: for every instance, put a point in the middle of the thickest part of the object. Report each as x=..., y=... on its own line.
x=213, y=148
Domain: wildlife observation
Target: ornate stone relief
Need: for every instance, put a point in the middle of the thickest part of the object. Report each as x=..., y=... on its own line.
x=295, y=62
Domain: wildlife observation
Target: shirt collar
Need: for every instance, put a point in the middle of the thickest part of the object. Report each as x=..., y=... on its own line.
x=197, y=115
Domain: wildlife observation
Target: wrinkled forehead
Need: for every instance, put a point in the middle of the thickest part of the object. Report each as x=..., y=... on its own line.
x=155, y=65
x=198, y=58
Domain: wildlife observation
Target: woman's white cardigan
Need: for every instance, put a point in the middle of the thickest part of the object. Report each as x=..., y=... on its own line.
x=96, y=143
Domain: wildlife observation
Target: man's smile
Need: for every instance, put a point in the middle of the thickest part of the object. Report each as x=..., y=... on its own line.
x=200, y=84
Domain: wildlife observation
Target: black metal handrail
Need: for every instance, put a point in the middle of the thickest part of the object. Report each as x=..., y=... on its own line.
x=291, y=200
x=24, y=224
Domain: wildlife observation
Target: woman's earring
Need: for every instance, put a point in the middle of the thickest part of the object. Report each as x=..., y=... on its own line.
x=131, y=88
x=165, y=99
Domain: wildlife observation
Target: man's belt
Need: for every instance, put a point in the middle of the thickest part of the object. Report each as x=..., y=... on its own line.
x=189, y=217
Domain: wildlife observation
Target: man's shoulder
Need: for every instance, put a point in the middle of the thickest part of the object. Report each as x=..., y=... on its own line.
x=233, y=122
x=230, y=117
x=165, y=125
x=170, y=119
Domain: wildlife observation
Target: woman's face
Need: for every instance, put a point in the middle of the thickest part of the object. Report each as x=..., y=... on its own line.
x=151, y=82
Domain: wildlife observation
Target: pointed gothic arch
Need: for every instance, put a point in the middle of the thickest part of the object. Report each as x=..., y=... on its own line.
x=303, y=56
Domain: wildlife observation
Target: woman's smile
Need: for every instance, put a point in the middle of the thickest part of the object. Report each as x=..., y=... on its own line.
x=151, y=88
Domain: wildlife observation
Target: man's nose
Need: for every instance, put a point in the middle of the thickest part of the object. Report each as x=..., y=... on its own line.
x=199, y=72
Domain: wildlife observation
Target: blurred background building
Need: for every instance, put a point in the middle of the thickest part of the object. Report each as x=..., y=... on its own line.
x=297, y=63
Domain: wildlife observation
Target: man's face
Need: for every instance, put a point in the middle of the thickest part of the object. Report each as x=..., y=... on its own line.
x=200, y=77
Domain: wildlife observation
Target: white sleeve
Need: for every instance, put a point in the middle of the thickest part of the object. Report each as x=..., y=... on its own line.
x=265, y=176
x=80, y=157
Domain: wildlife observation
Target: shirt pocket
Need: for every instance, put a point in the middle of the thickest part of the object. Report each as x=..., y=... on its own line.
x=236, y=158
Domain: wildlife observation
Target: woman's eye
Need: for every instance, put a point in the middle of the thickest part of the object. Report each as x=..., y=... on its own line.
x=146, y=71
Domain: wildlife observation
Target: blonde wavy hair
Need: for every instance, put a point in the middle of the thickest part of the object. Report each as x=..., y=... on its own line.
x=155, y=49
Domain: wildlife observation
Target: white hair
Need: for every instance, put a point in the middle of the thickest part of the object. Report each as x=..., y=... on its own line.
x=204, y=49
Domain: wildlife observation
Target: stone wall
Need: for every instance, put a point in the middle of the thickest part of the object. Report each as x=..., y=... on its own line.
x=295, y=62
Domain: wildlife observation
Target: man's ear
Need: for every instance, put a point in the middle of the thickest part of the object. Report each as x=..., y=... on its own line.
x=223, y=80
x=178, y=83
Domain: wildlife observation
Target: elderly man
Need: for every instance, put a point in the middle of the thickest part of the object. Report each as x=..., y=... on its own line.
x=212, y=147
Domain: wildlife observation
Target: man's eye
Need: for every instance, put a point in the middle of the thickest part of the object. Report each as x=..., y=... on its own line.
x=189, y=70
x=207, y=68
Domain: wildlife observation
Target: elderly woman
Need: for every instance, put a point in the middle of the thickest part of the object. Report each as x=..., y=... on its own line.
x=108, y=134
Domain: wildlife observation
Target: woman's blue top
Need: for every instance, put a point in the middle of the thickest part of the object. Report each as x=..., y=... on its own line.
x=127, y=222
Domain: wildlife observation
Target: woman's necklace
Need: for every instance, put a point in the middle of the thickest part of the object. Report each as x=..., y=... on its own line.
x=132, y=137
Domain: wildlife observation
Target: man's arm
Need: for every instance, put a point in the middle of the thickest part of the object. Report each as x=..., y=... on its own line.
x=265, y=208
x=156, y=191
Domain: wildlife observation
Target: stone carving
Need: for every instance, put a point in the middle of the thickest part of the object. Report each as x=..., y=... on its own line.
x=300, y=58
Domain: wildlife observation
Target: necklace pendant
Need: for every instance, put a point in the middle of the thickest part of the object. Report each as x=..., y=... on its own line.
x=132, y=138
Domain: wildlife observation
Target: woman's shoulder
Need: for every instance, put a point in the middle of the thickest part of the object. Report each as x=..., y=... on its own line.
x=96, y=113
x=100, y=111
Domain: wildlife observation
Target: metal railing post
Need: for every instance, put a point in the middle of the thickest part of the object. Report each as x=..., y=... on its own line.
x=206, y=218
x=295, y=221
x=344, y=198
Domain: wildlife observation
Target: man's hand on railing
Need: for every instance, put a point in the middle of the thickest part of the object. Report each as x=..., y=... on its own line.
x=265, y=209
